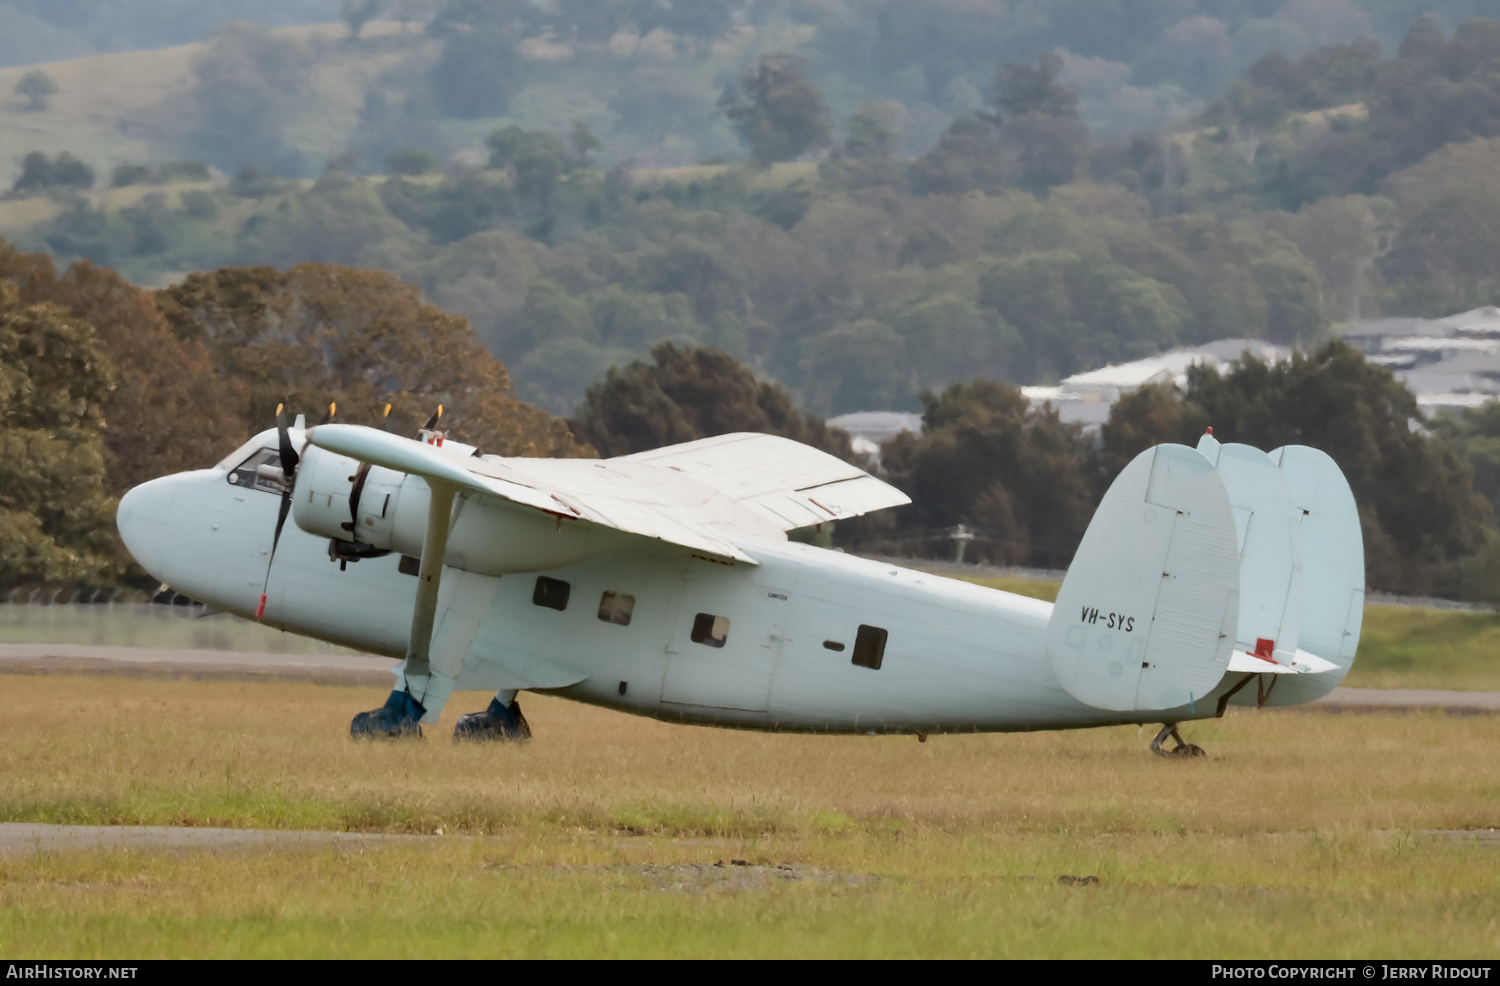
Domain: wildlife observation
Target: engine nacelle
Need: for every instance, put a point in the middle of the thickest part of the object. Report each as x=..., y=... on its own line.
x=488, y=536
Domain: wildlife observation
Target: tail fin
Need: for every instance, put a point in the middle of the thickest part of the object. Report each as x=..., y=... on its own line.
x=1301, y=571
x=1147, y=614
x=1333, y=574
x=1266, y=528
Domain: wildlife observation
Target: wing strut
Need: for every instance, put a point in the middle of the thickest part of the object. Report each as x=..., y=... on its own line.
x=403, y=711
x=429, y=575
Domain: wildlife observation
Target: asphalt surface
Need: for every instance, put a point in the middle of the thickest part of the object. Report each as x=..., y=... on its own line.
x=150, y=662
x=36, y=837
x=147, y=662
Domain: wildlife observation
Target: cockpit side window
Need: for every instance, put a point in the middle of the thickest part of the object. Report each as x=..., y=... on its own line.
x=245, y=474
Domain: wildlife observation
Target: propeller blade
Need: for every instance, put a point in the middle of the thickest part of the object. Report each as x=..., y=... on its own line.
x=333, y=410
x=289, y=457
x=386, y=418
x=432, y=422
x=286, y=508
x=289, y=460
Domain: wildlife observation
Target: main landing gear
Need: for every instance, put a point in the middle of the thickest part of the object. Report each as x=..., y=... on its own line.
x=502, y=721
x=1182, y=749
x=401, y=718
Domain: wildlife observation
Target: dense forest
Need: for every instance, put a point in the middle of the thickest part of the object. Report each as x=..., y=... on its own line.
x=1021, y=246
x=889, y=211
x=104, y=385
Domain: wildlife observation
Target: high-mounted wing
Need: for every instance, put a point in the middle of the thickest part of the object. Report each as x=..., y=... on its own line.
x=702, y=495
x=790, y=484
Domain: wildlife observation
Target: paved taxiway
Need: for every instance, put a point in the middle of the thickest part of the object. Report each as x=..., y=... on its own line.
x=37, y=837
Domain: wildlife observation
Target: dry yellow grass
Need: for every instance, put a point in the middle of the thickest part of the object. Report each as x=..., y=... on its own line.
x=111, y=750
x=1301, y=834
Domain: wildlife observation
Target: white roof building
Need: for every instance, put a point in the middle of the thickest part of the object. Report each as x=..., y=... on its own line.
x=1085, y=398
x=1449, y=363
x=868, y=429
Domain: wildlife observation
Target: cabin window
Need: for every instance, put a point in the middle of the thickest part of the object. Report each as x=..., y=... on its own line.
x=551, y=593
x=616, y=607
x=869, y=647
x=833, y=644
x=245, y=473
x=710, y=630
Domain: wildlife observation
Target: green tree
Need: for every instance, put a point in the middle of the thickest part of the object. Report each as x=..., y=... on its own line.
x=856, y=367
x=1424, y=525
x=550, y=314
x=36, y=86
x=871, y=133
x=466, y=202
x=479, y=68
x=778, y=112
x=1038, y=121
x=700, y=271
x=1022, y=89
x=168, y=410
x=412, y=161
x=318, y=333
x=1444, y=255
x=249, y=84
x=870, y=139
x=1342, y=238
x=989, y=460
x=38, y=173
x=1078, y=312
x=537, y=160
x=634, y=319
x=966, y=158
x=1434, y=93
x=692, y=392
x=1475, y=435
x=582, y=143
x=125, y=175
x=56, y=523
x=356, y=13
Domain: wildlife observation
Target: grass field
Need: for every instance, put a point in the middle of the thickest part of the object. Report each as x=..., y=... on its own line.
x=1301, y=834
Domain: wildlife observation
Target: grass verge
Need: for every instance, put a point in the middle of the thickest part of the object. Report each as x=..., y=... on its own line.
x=599, y=837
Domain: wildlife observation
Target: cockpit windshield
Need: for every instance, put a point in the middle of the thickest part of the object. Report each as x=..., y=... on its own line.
x=247, y=473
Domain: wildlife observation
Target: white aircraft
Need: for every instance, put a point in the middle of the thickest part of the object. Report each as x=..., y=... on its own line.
x=662, y=583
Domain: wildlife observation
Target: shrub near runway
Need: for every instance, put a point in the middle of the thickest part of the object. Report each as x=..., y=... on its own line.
x=599, y=837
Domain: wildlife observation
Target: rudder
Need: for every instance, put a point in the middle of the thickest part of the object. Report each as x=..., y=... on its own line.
x=1146, y=616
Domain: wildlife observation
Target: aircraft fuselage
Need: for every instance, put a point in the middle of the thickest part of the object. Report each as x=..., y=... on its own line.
x=809, y=639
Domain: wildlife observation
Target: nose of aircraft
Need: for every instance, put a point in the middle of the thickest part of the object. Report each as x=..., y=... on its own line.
x=143, y=518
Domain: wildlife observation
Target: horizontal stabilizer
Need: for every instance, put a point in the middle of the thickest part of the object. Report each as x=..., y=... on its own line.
x=1241, y=662
x=1146, y=616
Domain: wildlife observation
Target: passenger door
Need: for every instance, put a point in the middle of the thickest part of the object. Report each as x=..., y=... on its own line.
x=734, y=672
